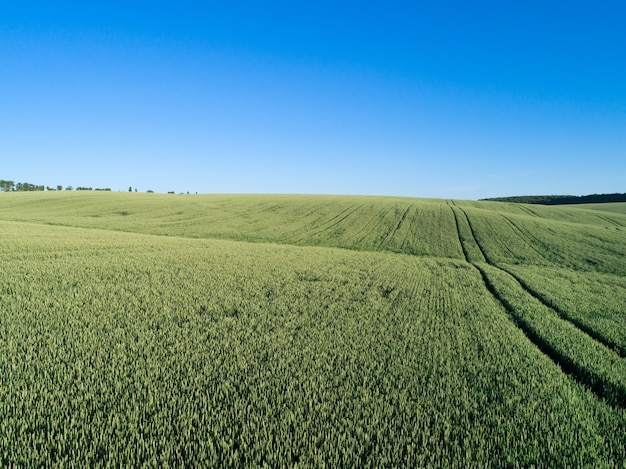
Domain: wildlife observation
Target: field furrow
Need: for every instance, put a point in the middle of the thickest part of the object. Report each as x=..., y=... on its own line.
x=579, y=351
x=471, y=249
x=528, y=239
x=158, y=350
x=582, y=325
x=589, y=362
x=392, y=233
x=370, y=227
x=595, y=302
x=297, y=331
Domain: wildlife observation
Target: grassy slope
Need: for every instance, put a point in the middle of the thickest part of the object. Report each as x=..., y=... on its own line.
x=489, y=388
x=616, y=207
x=532, y=242
x=364, y=223
x=572, y=260
x=412, y=226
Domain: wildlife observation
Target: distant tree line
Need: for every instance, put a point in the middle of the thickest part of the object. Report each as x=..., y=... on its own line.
x=562, y=199
x=12, y=186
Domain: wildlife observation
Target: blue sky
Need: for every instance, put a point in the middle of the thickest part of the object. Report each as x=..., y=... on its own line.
x=428, y=99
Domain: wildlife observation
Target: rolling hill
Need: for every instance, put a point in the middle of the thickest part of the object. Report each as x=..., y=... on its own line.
x=151, y=329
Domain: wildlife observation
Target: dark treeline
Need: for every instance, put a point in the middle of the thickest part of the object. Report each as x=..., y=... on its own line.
x=12, y=186
x=562, y=199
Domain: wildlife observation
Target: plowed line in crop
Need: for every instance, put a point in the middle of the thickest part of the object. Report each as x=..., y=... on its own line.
x=562, y=314
x=409, y=220
x=334, y=221
x=520, y=233
x=479, y=245
x=603, y=246
x=458, y=232
x=380, y=221
x=397, y=227
x=356, y=207
x=413, y=228
x=617, y=348
x=546, y=246
x=527, y=210
x=375, y=219
x=306, y=216
x=613, y=222
x=273, y=207
x=532, y=212
x=539, y=297
x=584, y=376
x=316, y=209
x=480, y=248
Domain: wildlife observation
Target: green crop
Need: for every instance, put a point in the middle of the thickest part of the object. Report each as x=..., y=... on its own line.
x=309, y=331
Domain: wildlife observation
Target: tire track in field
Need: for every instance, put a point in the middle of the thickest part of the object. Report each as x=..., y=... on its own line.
x=520, y=232
x=458, y=232
x=392, y=233
x=615, y=347
x=548, y=303
x=379, y=221
x=274, y=207
x=562, y=260
x=375, y=220
x=600, y=387
x=334, y=221
x=612, y=394
x=404, y=245
x=480, y=247
x=527, y=210
x=609, y=220
x=304, y=219
x=544, y=301
x=532, y=212
x=601, y=216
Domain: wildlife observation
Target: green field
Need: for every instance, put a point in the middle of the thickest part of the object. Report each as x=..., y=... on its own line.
x=617, y=207
x=328, y=331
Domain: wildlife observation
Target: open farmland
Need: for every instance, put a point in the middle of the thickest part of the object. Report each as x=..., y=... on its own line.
x=617, y=207
x=147, y=329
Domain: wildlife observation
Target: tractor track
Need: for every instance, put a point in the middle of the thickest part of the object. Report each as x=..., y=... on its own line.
x=590, y=380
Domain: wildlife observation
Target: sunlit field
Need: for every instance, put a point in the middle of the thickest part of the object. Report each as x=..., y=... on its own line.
x=212, y=330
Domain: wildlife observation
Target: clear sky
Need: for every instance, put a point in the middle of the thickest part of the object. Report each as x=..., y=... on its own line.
x=451, y=99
